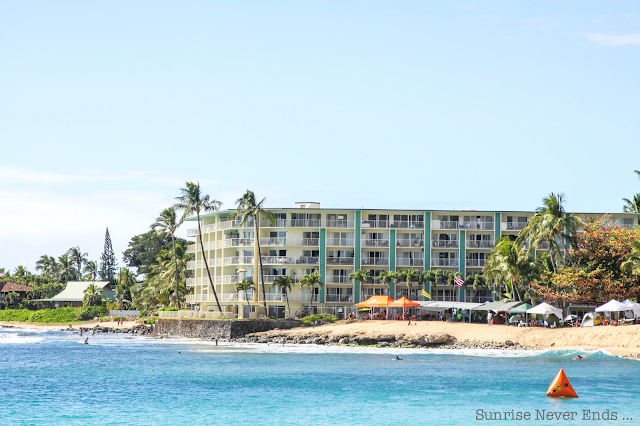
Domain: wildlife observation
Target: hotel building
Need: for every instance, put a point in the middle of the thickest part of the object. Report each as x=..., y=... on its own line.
x=337, y=242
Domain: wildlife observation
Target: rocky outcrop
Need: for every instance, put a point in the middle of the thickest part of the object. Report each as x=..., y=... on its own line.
x=219, y=329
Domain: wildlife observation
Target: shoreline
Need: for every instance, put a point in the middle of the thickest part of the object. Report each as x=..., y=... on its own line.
x=622, y=341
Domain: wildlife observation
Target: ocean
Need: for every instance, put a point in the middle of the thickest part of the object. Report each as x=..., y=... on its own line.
x=52, y=378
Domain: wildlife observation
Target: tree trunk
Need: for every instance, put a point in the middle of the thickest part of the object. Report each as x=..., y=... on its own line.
x=286, y=295
x=175, y=259
x=256, y=218
x=206, y=265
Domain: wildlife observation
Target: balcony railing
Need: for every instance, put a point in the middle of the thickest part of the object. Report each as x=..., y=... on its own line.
x=278, y=260
x=233, y=279
x=204, y=281
x=445, y=243
x=282, y=241
x=340, y=223
x=192, y=232
x=512, y=226
x=375, y=261
x=305, y=223
x=208, y=245
x=238, y=260
x=479, y=244
x=409, y=262
x=476, y=262
x=441, y=224
x=337, y=279
x=236, y=297
x=193, y=264
x=375, y=243
x=339, y=298
x=269, y=279
x=405, y=242
x=308, y=260
x=407, y=224
x=238, y=242
x=339, y=260
x=233, y=224
x=280, y=297
x=444, y=262
x=475, y=225
x=375, y=224
x=340, y=242
x=278, y=223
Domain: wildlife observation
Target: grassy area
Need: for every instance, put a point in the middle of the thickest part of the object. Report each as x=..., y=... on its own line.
x=53, y=316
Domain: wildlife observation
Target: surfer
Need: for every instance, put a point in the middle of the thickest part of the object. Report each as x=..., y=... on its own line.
x=579, y=357
x=398, y=358
x=86, y=341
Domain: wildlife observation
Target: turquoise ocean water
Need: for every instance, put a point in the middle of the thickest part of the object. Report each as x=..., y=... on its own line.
x=51, y=378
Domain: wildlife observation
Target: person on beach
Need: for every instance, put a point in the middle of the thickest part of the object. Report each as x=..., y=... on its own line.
x=489, y=317
x=81, y=331
x=409, y=323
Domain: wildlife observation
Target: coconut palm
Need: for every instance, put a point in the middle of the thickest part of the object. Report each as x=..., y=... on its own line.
x=249, y=210
x=245, y=285
x=312, y=281
x=193, y=201
x=387, y=277
x=65, y=267
x=90, y=270
x=409, y=276
x=162, y=276
x=94, y=296
x=632, y=206
x=510, y=266
x=167, y=224
x=122, y=295
x=76, y=256
x=632, y=264
x=362, y=275
x=284, y=282
x=47, y=266
x=20, y=271
x=552, y=224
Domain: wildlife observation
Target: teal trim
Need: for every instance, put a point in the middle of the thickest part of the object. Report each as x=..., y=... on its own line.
x=463, y=262
x=356, y=260
x=323, y=251
x=427, y=247
x=392, y=261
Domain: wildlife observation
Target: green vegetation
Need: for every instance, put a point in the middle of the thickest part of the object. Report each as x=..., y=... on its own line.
x=59, y=315
x=312, y=281
x=311, y=318
x=108, y=261
x=144, y=248
x=167, y=224
x=169, y=308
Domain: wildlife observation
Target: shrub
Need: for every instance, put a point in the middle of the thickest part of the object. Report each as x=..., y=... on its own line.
x=311, y=318
x=170, y=308
x=119, y=318
x=104, y=319
x=144, y=313
x=87, y=313
x=151, y=320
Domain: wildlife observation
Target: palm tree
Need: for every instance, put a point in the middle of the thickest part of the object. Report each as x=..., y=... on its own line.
x=632, y=206
x=285, y=282
x=248, y=210
x=387, y=277
x=311, y=280
x=12, y=298
x=193, y=201
x=47, y=265
x=510, y=266
x=552, y=224
x=632, y=264
x=245, y=285
x=161, y=277
x=121, y=295
x=65, y=267
x=93, y=296
x=90, y=270
x=76, y=256
x=20, y=271
x=362, y=275
x=409, y=276
x=167, y=224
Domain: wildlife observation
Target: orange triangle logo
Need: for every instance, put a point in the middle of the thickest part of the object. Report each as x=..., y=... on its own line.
x=561, y=387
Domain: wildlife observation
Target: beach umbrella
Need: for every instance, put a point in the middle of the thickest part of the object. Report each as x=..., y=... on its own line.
x=364, y=310
x=403, y=303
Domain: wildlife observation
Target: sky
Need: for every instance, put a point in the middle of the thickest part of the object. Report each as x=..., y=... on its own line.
x=108, y=108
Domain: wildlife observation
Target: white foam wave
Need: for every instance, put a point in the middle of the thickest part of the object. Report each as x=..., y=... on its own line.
x=8, y=338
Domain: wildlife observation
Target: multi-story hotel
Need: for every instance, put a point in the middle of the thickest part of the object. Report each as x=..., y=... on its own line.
x=337, y=242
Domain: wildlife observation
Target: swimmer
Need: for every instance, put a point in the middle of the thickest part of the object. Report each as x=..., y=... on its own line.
x=579, y=357
x=86, y=341
x=398, y=358
x=178, y=351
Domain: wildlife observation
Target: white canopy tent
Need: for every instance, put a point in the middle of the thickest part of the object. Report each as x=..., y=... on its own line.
x=635, y=307
x=496, y=306
x=545, y=309
x=613, y=306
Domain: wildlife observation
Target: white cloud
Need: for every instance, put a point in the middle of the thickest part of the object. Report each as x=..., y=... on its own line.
x=614, y=39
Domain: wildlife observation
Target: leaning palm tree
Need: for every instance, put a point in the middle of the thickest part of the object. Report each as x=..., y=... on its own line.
x=167, y=224
x=312, y=281
x=249, y=209
x=245, y=285
x=192, y=201
x=284, y=282
x=631, y=206
x=79, y=258
x=93, y=296
x=90, y=270
x=552, y=224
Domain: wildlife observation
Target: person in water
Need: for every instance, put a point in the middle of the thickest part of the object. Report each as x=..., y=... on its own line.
x=86, y=341
x=398, y=358
x=580, y=357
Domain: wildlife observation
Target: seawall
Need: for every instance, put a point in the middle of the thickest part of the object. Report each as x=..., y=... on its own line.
x=219, y=329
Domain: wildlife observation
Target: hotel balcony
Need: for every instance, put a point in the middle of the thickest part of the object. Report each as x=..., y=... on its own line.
x=236, y=297
x=445, y=262
x=192, y=232
x=340, y=242
x=407, y=225
x=238, y=260
x=375, y=224
x=479, y=244
x=209, y=245
x=340, y=223
x=282, y=241
x=269, y=279
x=374, y=261
x=409, y=262
x=305, y=223
x=406, y=242
x=197, y=264
x=374, y=243
x=512, y=226
x=278, y=297
x=337, y=279
x=476, y=263
x=441, y=224
x=205, y=280
x=339, y=260
x=445, y=244
x=238, y=242
x=277, y=223
x=233, y=224
x=339, y=298
x=198, y=298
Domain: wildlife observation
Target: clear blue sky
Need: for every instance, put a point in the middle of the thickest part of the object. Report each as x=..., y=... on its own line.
x=107, y=108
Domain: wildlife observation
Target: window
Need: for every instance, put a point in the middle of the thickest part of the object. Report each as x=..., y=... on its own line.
x=278, y=234
x=310, y=253
x=339, y=216
x=310, y=235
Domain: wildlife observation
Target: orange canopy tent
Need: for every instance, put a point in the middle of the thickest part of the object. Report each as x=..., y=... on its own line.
x=376, y=302
x=403, y=303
